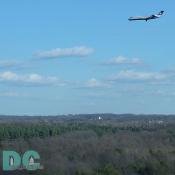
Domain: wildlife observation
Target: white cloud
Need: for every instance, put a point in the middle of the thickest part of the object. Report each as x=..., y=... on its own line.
x=30, y=79
x=124, y=61
x=141, y=76
x=13, y=64
x=12, y=94
x=164, y=93
x=94, y=83
x=65, y=52
x=7, y=64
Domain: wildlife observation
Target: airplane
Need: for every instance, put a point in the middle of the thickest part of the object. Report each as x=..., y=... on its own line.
x=146, y=18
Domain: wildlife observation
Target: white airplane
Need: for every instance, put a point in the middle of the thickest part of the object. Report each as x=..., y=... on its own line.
x=146, y=18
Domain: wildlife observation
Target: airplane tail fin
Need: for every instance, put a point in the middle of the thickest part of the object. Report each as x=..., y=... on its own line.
x=161, y=12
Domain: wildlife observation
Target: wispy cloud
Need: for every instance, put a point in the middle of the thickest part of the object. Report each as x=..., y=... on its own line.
x=94, y=83
x=30, y=79
x=14, y=64
x=164, y=93
x=9, y=64
x=120, y=60
x=13, y=94
x=80, y=51
x=132, y=75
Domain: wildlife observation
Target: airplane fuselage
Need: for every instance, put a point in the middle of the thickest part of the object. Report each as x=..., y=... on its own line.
x=146, y=18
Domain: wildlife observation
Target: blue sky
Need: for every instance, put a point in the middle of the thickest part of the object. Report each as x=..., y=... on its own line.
x=62, y=57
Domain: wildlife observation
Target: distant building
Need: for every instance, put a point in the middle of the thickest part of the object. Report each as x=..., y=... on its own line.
x=156, y=122
x=99, y=118
x=160, y=122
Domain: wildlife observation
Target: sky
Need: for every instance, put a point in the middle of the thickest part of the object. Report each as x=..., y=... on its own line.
x=72, y=57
